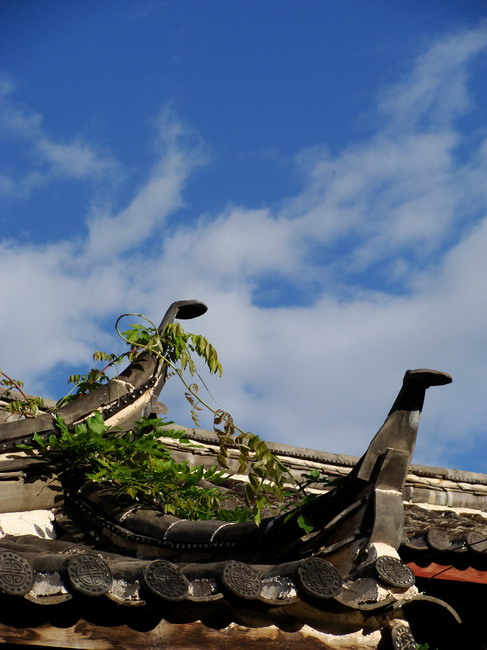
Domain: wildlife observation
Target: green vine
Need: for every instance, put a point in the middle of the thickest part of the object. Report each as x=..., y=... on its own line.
x=137, y=462
x=27, y=407
x=267, y=476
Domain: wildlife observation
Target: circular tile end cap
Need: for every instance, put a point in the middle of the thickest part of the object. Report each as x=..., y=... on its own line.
x=394, y=573
x=402, y=639
x=477, y=542
x=166, y=581
x=319, y=578
x=438, y=539
x=16, y=574
x=241, y=580
x=89, y=574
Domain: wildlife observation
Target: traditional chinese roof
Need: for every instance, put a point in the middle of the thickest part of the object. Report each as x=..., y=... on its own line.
x=108, y=562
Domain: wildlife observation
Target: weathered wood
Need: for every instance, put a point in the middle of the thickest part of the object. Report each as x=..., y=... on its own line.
x=87, y=636
x=23, y=496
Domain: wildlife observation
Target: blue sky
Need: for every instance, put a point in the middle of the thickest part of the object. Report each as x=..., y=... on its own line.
x=315, y=172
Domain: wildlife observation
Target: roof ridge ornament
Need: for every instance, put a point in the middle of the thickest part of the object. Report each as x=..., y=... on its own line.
x=122, y=400
x=400, y=428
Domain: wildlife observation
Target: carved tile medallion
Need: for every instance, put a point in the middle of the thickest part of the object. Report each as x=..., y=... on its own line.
x=319, y=578
x=402, y=639
x=89, y=574
x=16, y=574
x=393, y=572
x=241, y=580
x=165, y=580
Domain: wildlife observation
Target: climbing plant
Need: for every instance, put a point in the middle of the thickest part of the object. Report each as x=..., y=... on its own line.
x=267, y=476
x=26, y=406
x=137, y=463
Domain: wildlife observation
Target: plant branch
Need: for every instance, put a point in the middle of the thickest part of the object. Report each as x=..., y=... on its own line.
x=157, y=350
x=15, y=385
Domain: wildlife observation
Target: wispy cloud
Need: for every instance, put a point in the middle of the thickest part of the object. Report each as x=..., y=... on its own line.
x=406, y=207
x=49, y=158
x=160, y=195
x=435, y=91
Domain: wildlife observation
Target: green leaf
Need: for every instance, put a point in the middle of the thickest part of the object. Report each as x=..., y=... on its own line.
x=305, y=523
x=96, y=423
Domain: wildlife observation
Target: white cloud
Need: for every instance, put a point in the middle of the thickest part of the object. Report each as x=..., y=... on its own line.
x=324, y=374
x=160, y=195
x=436, y=89
x=76, y=159
x=51, y=159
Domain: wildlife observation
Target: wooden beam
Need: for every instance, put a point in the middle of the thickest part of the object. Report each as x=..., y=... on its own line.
x=22, y=496
x=184, y=636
